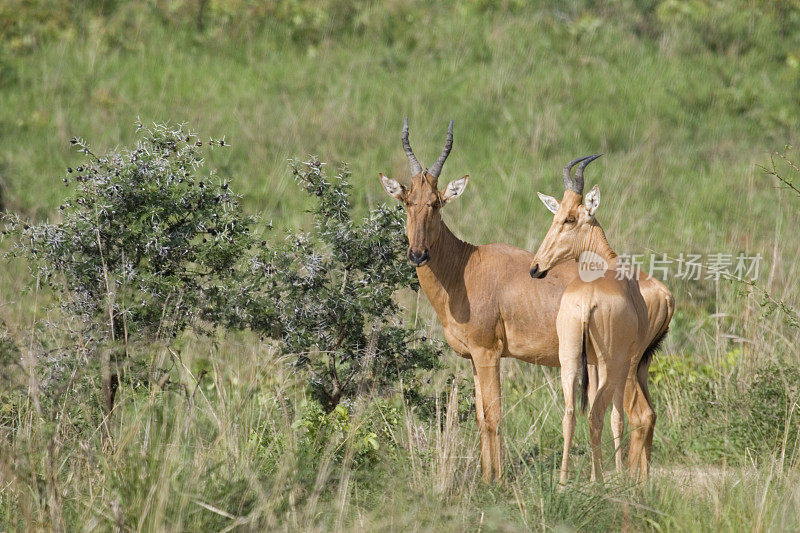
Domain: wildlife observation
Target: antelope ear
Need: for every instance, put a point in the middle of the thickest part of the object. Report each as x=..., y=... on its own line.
x=549, y=202
x=454, y=189
x=393, y=188
x=592, y=201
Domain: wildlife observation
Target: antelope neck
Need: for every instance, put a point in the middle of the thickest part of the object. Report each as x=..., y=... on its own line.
x=444, y=269
x=595, y=241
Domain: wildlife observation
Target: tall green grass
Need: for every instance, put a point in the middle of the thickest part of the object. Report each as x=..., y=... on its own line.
x=238, y=454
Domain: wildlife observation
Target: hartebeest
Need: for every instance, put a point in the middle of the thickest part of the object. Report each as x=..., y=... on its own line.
x=490, y=307
x=602, y=319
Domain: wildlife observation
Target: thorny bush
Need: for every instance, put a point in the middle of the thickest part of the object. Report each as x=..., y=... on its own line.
x=147, y=242
x=150, y=245
x=330, y=295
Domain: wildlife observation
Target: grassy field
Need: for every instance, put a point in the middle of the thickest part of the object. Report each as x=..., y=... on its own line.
x=686, y=99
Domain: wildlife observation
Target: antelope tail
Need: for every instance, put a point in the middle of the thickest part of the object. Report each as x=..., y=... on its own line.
x=659, y=338
x=652, y=349
x=584, y=365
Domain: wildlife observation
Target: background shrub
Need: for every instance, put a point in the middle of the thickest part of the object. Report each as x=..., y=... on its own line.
x=331, y=294
x=146, y=246
x=147, y=243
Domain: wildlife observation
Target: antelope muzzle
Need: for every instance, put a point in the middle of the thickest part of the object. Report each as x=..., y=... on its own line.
x=418, y=258
x=536, y=272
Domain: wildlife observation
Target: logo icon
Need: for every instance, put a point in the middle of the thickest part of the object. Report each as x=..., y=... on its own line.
x=591, y=266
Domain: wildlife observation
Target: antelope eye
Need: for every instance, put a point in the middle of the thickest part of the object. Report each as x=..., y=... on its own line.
x=569, y=220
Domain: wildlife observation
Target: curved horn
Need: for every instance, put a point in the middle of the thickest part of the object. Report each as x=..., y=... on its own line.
x=416, y=168
x=436, y=169
x=579, y=172
x=568, y=182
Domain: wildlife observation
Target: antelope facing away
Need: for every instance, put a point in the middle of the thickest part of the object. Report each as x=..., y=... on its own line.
x=602, y=319
x=490, y=307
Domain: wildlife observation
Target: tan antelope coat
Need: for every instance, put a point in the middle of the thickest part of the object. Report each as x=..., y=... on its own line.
x=490, y=307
